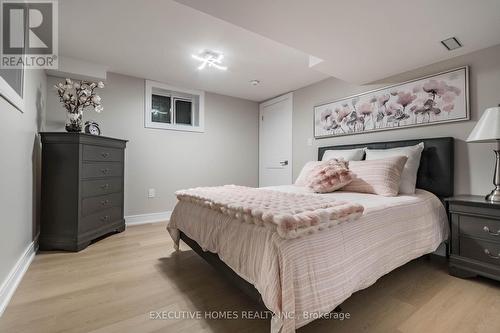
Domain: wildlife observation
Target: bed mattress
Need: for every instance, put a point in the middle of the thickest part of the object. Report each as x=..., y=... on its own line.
x=300, y=279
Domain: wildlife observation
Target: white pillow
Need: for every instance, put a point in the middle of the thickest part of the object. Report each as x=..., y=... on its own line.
x=346, y=154
x=409, y=175
x=302, y=178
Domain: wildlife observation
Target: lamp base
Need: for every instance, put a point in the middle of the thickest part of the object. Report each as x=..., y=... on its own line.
x=494, y=196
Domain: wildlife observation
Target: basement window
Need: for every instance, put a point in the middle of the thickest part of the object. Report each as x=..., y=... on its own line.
x=173, y=108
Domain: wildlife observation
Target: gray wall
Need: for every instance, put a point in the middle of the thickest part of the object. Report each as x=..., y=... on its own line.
x=474, y=162
x=226, y=153
x=19, y=190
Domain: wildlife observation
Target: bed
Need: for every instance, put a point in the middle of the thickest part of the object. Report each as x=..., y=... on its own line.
x=301, y=279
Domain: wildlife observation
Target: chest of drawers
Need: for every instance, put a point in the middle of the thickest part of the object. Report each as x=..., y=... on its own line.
x=475, y=237
x=82, y=189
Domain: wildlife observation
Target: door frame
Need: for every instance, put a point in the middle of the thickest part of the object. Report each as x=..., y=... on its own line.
x=289, y=97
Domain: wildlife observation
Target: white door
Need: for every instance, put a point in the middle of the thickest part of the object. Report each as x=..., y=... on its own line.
x=275, y=141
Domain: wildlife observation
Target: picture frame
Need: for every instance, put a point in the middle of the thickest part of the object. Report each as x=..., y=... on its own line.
x=12, y=87
x=13, y=80
x=430, y=100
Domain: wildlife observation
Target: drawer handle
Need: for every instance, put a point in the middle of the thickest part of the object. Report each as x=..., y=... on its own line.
x=105, y=202
x=486, y=229
x=487, y=252
x=105, y=171
x=105, y=155
x=105, y=218
x=105, y=186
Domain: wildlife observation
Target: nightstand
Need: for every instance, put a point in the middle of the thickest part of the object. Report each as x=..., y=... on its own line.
x=475, y=237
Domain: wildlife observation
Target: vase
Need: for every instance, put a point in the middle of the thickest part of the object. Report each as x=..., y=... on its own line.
x=74, y=121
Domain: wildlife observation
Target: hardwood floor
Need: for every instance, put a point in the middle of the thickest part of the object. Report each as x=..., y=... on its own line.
x=114, y=284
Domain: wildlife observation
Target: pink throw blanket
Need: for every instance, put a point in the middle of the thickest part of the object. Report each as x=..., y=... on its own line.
x=292, y=214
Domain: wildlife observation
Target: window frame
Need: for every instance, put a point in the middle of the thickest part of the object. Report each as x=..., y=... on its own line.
x=171, y=91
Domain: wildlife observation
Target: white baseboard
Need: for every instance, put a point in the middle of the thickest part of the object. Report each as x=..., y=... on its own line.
x=15, y=276
x=147, y=218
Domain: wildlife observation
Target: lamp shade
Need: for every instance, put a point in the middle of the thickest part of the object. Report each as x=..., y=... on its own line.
x=487, y=128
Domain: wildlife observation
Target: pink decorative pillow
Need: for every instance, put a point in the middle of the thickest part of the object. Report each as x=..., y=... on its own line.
x=380, y=176
x=329, y=176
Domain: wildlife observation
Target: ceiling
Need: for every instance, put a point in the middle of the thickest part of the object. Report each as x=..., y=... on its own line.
x=154, y=39
x=365, y=40
x=271, y=41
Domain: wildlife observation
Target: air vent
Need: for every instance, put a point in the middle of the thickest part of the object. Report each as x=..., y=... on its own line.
x=451, y=43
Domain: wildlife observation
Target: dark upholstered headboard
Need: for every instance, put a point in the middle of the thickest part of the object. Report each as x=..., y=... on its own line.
x=435, y=173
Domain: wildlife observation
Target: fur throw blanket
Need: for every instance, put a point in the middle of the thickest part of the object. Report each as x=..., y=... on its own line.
x=292, y=214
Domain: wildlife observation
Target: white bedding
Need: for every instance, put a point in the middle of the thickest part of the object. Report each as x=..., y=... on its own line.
x=303, y=277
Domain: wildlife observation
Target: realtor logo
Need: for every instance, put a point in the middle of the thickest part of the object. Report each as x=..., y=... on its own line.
x=29, y=34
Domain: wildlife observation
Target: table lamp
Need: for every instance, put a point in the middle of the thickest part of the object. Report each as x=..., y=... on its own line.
x=487, y=129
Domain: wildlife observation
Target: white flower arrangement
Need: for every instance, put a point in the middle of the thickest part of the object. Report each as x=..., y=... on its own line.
x=78, y=95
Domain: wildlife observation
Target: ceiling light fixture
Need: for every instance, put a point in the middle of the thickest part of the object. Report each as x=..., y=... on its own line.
x=451, y=43
x=254, y=82
x=211, y=59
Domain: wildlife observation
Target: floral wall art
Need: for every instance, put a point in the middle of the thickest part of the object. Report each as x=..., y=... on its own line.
x=431, y=100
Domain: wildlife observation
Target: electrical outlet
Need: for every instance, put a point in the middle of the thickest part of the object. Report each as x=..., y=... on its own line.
x=151, y=193
x=309, y=141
